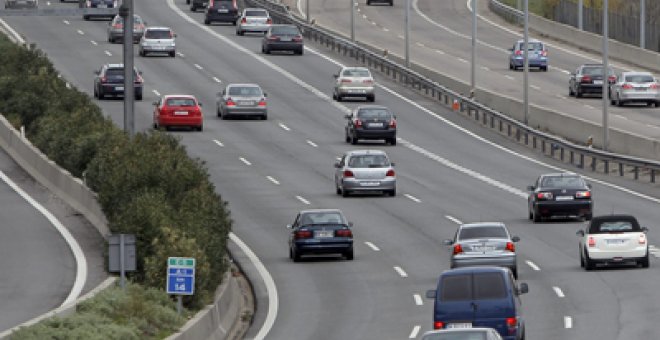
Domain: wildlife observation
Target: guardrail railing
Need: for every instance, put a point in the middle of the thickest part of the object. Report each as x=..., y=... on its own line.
x=509, y=13
x=579, y=156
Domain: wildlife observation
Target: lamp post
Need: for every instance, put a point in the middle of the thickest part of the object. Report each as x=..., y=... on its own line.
x=642, y=23
x=352, y=20
x=473, y=76
x=606, y=130
x=407, y=33
x=126, y=12
x=526, y=63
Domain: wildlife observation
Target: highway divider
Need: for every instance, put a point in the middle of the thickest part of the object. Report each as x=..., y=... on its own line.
x=544, y=123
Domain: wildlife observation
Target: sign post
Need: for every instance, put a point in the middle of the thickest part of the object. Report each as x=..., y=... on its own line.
x=121, y=255
x=180, y=278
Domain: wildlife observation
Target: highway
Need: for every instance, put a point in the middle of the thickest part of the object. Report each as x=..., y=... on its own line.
x=449, y=171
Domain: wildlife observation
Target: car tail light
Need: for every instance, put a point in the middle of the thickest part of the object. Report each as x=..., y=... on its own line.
x=389, y=173
x=519, y=52
x=262, y=102
x=269, y=21
x=592, y=242
x=627, y=86
x=230, y=102
x=346, y=81
x=544, y=53
x=233, y=3
x=585, y=79
x=118, y=26
x=511, y=324
x=343, y=233
x=104, y=79
x=611, y=79
x=348, y=173
x=138, y=79
x=300, y=234
x=642, y=239
x=298, y=38
x=458, y=249
x=89, y=3
x=583, y=194
x=511, y=247
x=358, y=123
x=544, y=195
x=655, y=86
x=393, y=123
x=438, y=325
x=274, y=38
x=367, y=81
x=244, y=21
x=211, y=3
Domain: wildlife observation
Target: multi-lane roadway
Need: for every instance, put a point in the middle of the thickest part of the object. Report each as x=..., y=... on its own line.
x=447, y=174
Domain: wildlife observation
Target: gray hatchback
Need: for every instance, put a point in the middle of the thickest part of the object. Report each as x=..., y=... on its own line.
x=365, y=171
x=283, y=38
x=242, y=99
x=484, y=244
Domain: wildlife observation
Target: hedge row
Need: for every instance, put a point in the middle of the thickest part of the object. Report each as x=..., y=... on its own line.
x=147, y=185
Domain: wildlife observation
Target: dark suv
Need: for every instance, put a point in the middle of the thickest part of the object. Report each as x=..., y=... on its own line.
x=221, y=11
x=371, y=122
x=98, y=4
x=110, y=81
x=588, y=78
x=195, y=4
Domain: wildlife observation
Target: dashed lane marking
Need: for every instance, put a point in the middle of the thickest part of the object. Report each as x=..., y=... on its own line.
x=156, y=93
x=532, y=265
x=276, y=182
x=302, y=199
x=568, y=322
x=219, y=143
x=107, y=53
x=414, y=332
x=401, y=272
x=453, y=219
x=418, y=300
x=81, y=32
x=558, y=292
x=312, y=143
x=286, y=128
x=245, y=161
x=372, y=246
x=413, y=198
x=215, y=79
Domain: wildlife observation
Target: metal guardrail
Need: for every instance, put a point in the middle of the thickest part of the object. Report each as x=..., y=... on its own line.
x=509, y=13
x=581, y=157
x=61, y=12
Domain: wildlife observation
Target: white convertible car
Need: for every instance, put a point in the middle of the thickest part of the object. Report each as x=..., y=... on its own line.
x=613, y=239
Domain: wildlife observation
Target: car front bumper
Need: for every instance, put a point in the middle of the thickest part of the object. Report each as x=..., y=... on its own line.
x=564, y=208
x=352, y=184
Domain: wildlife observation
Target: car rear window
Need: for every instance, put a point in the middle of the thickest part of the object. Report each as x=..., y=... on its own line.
x=531, y=46
x=117, y=72
x=356, y=73
x=285, y=30
x=594, y=71
x=368, y=161
x=639, y=79
x=614, y=227
x=374, y=113
x=482, y=232
x=456, y=288
x=223, y=4
x=463, y=335
x=562, y=182
x=180, y=102
x=120, y=20
x=256, y=14
x=245, y=91
x=489, y=286
x=322, y=218
x=158, y=34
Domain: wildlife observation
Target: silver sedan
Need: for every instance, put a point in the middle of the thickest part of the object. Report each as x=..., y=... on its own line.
x=242, y=99
x=354, y=82
x=254, y=20
x=484, y=244
x=635, y=87
x=365, y=171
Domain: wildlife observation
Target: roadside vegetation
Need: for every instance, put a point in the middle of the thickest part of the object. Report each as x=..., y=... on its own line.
x=147, y=186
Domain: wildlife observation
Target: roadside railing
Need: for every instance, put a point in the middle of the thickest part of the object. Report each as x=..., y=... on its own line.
x=509, y=13
x=578, y=156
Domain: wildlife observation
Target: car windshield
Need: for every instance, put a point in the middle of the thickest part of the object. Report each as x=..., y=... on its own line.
x=322, y=218
x=368, y=161
x=285, y=30
x=482, y=232
x=463, y=335
x=356, y=72
x=180, y=102
x=245, y=91
x=639, y=78
x=256, y=14
x=158, y=34
x=374, y=113
x=531, y=46
x=562, y=182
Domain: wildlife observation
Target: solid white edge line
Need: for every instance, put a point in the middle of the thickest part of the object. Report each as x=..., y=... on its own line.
x=302, y=199
x=270, y=178
x=245, y=161
x=418, y=300
x=284, y=126
x=271, y=289
x=312, y=143
x=453, y=219
x=558, y=292
x=13, y=32
x=414, y=332
x=412, y=198
x=372, y=246
x=78, y=254
x=180, y=54
x=532, y=265
x=218, y=142
x=568, y=322
x=401, y=272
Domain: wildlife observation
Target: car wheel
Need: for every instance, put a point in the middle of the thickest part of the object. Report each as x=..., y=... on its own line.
x=588, y=217
x=173, y=54
x=200, y=128
x=645, y=261
x=530, y=215
x=581, y=259
x=266, y=50
x=100, y=94
x=264, y=117
x=578, y=93
x=154, y=125
x=354, y=139
x=193, y=8
x=233, y=23
x=349, y=255
x=347, y=138
x=392, y=3
x=225, y=116
x=368, y=3
x=339, y=98
x=392, y=192
x=393, y=141
x=515, y=272
x=650, y=104
x=187, y=2
x=86, y=17
x=301, y=51
x=544, y=69
x=618, y=102
x=295, y=255
x=570, y=91
x=207, y=22
x=535, y=217
x=344, y=192
x=138, y=96
x=371, y=98
x=588, y=264
x=510, y=66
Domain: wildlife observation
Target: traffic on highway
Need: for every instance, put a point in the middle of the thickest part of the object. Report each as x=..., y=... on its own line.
x=409, y=222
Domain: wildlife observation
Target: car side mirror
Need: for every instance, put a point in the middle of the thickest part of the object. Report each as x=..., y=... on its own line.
x=447, y=242
x=288, y=226
x=431, y=294
x=350, y=224
x=589, y=186
x=515, y=239
x=645, y=229
x=523, y=288
x=580, y=233
x=392, y=164
x=97, y=72
x=347, y=116
x=530, y=188
x=335, y=76
x=265, y=94
x=200, y=104
x=155, y=103
x=337, y=165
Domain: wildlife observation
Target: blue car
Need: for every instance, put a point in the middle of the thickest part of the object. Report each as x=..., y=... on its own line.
x=479, y=297
x=537, y=53
x=320, y=231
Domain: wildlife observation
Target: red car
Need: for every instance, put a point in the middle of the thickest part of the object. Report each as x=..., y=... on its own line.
x=178, y=110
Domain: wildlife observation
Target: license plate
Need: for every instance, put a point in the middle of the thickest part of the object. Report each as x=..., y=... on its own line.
x=102, y=6
x=483, y=249
x=616, y=241
x=357, y=91
x=324, y=233
x=223, y=10
x=459, y=325
x=564, y=198
x=181, y=113
x=598, y=82
x=375, y=125
x=640, y=89
x=119, y=88
x=285, y=39
x=246, y=103
x=369, y=184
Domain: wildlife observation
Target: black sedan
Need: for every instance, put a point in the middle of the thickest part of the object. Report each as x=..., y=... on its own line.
x=588, y=78
x=283, y=38
x=320, y=231
x=371, y=122
x=560, y=194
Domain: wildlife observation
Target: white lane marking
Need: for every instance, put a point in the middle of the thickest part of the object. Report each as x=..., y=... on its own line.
x=81, y=32
x=453, y=219
x=156, y=93
x=66, y=22
x=107, y=53
x=535, y=87
x=372, y=246
x=439, y=52
x=485, y=68
x=509, y=77
x=653, y=126
x=462, y=60
x=286, y=128
x=180, y=54
x=560, y=96
x=386, y=29
x=312, y=143
x=621, y=117
x=418, y=300
x=271, y=289
x=413, y=198
x=197, y=66
x=414, y=332
x=420, y=44
x=562, y=71
x=373, y=23
x=215, y=79
x=78, y=254
x=568, y=322
x=219, y=143
x=364, y=16
x=401, y=36
x=13, y=32
x=400, y=271
x=589, y=106
x=299, y=7
x=532, y=265
x=558, y=292
x=245, y=161
x=94, y=42
x=276, y=182
x=302, y=199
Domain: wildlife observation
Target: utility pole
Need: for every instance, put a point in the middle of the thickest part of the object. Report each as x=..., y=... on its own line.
x=126, y=12
x=606, y=130
x=309, y=20
x=642, y=23
x=407, y=30
x=581, y=15
x=473, y=75
x=525, y=51
x=352, y=20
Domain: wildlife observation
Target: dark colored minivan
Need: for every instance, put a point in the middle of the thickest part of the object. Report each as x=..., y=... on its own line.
x=221, y=11
x=479, y=297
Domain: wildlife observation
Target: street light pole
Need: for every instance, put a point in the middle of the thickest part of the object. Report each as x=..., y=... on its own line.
x=309, y=20
x=526, y=62
x=352, y=20
x=642, y=23
x=407, y=33
x=606, y=130
x=580, y=15
x=473, y=75
x=126, y=12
